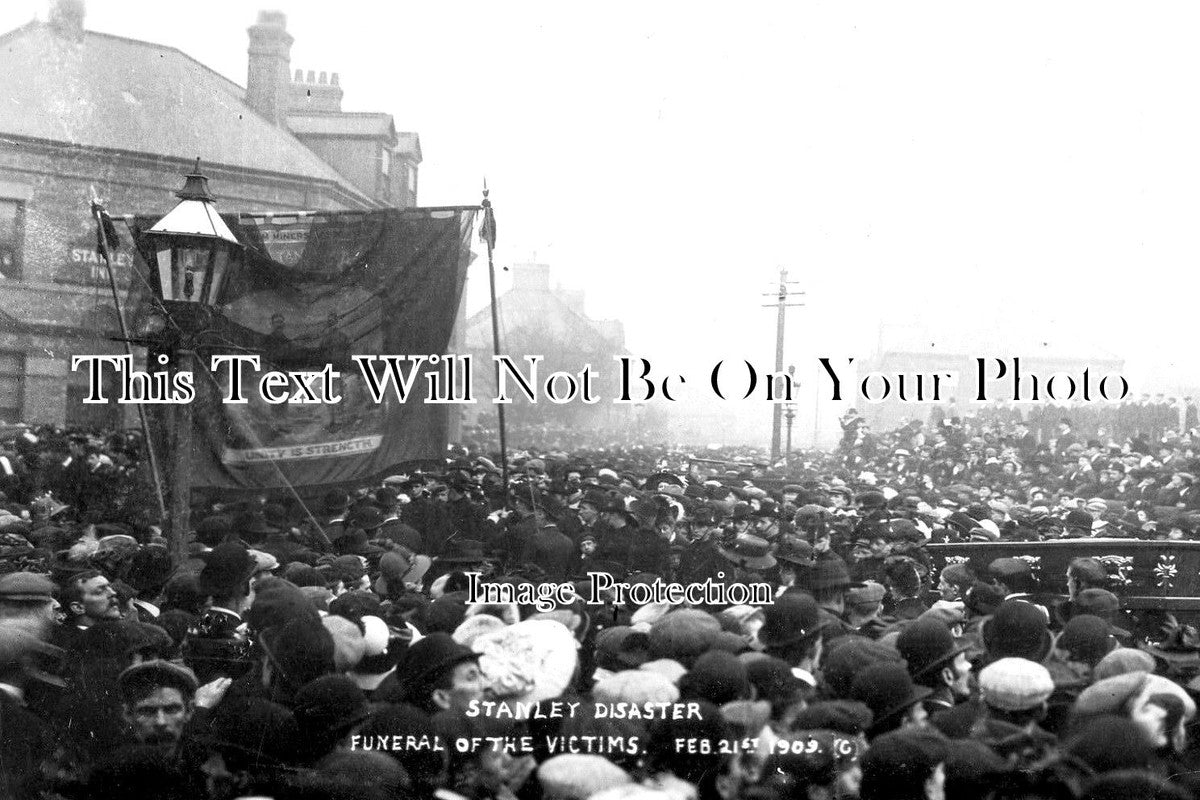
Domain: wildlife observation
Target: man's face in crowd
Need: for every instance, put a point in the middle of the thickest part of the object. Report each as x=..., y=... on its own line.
x=588, y=513
x=837, y=500
x=159, y=717
x=499, y=769
x=466, y=685
x=849, y=780
x=861, y=550
x=766, y=527
x=915, y=717
x=960, y=686
x=218, y=780
x=99, y=599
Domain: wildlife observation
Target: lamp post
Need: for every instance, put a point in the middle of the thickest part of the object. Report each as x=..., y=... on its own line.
x=193, y=253
x=789, y=414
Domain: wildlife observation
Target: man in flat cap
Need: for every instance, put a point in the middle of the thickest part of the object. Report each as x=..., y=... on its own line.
x=1014, y=694
x=864, y=605
x=29, y=598
x=157, y=701
x=25, y=738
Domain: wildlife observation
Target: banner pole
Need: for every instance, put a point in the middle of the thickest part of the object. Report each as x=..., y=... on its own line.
x=487, y=232
x=102, y=246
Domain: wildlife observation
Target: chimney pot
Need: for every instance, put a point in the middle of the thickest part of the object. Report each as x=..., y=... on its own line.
x=299, y=76
x=312, y=76
x=323, y=79
x=334, y=79
x=66, y=18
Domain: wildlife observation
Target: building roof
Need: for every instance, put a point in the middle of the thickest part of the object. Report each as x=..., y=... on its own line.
x=342, y=123
x=543, y=316
x=114, y=93
x=532, y=309
x=409, y=142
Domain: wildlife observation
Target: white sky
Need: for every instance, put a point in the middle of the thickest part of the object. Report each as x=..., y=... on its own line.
x=986, y=175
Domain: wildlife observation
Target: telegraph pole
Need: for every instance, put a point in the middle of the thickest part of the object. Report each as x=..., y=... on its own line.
x=782, y=295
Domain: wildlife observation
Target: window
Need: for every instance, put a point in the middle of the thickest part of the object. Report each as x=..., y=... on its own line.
x=12, y=218
x=411, y=174
x=386, y=162
x=12, y=383
x=93, y=415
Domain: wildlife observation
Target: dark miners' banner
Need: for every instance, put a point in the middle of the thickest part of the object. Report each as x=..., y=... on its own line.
x=317, y=289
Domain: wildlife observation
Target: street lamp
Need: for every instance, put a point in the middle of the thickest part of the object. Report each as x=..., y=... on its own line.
x=193, y=251
x=192, y=254
x=789, y=414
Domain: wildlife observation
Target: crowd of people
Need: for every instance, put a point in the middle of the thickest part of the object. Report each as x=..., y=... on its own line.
x=337, y=646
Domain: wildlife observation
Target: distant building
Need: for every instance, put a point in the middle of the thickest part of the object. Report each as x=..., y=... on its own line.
x=535, y=319
x=86, y=110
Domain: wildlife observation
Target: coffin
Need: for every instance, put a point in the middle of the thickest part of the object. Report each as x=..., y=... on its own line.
x=1147, y=576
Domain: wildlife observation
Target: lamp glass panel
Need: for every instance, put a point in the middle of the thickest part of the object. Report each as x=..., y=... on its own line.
x=193, y=269
x=219, y=263
x=164, y=274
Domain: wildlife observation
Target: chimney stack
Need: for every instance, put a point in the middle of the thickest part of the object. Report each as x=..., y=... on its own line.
x=269, y=70
x=531, y=277
x=312, y=91
x=66, y=18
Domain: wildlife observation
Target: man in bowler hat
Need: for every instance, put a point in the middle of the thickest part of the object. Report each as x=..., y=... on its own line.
x=218, y=645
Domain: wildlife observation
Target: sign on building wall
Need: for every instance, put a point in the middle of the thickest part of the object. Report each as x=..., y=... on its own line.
x=77, y=261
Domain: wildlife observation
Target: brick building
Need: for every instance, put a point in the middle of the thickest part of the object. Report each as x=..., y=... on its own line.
x=86, y=111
